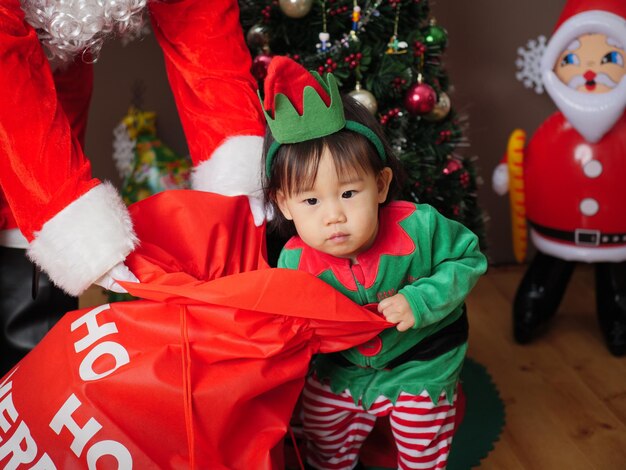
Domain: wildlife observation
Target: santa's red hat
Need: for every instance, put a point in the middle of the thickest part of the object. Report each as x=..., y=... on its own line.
x=575, y=7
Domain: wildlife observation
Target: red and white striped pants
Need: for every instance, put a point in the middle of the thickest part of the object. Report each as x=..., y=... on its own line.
x=335, y=427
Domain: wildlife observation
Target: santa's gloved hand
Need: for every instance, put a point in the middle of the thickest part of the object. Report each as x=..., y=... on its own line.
x=500, y=179
x=119, y=272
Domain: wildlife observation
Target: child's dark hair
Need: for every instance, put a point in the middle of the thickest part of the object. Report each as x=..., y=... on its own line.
x=294, y=166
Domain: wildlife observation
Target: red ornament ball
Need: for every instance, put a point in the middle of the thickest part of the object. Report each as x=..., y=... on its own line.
x=452, y=166
x=420, y=99
x=260, y=65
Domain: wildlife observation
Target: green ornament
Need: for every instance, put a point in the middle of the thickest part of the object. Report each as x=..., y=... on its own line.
x=436, y=36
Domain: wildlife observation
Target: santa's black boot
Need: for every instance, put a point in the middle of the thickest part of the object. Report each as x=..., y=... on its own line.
x=539, y=295
x=611, y=305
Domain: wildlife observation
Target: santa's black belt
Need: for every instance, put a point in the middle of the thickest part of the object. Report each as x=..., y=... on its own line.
x=440, y=342
x=582, y=236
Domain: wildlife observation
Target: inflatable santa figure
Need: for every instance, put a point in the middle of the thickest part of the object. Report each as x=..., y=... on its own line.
x=72, y=226
x=571, y=183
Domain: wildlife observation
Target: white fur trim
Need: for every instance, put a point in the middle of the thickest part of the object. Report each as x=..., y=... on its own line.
x=568, y=252
x=86, y=239
x=234, y=169
x=500, y=179
x=594, y=21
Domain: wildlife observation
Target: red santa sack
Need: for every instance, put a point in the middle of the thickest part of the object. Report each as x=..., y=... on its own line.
x=202, y=372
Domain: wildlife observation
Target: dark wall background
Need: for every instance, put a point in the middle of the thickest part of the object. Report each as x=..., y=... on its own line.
x=484, y=36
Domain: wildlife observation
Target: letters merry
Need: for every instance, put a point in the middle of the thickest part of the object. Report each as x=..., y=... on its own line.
x=18, y=447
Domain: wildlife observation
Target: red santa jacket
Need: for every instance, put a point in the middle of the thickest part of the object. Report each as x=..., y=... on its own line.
x=73, y=86
x=77, y=227
x=576, y=193
x=208, y=67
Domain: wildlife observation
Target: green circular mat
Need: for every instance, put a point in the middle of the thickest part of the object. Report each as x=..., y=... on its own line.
x=483, y=420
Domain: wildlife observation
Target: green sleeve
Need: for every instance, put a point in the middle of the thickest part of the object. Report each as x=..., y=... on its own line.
x=456, y=264
x=289, y=259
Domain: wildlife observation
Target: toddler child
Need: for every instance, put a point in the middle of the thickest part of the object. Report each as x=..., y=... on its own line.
x=330, y=176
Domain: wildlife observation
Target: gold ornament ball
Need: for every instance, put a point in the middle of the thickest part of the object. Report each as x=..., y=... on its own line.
x=441, y=109
x=366, y=98
x=295, y=8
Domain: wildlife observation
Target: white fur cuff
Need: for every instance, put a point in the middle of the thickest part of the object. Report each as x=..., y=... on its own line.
x=84, y=240
x=234, y=168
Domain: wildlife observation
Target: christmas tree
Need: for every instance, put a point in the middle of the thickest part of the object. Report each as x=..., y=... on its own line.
x=388, y=55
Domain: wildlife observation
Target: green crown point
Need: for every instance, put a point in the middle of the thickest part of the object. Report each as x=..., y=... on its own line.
x=325, y=83
x=317, y=119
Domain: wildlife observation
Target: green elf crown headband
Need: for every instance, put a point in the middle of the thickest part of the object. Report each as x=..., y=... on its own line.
x=305, y=107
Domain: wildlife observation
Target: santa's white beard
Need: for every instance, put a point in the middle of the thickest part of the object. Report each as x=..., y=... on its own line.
x=601, y=78
x=68, y=27
x=591, y=114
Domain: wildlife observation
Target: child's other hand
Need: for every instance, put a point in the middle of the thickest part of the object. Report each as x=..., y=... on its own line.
x=397, y=310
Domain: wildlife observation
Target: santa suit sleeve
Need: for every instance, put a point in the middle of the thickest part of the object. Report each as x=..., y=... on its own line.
x=77, y=227
x=74, y=84
x=208, y=66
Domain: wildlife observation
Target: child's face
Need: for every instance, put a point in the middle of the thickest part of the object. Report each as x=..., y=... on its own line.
x=339, y=214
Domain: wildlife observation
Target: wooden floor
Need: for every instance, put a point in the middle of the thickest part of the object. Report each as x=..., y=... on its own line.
x=565, y=395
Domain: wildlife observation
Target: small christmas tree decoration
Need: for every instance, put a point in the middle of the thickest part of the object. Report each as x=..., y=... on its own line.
x=395, y=46
x=436, y=36
x=441, y=109
x=464, y=179
x=260, y=65
x=257, y=37
x=356, y=17
x=365, y=97
x=295, y=8
x=324, y=37
x=419, y=49
x=324, y=43
x=452, y=166
x=384, y=119
x=420, y=98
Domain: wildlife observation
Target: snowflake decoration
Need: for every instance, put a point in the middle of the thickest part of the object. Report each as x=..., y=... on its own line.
x=528, y=63
x=123, y=150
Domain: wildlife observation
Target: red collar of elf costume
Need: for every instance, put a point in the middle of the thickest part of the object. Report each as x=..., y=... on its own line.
x=301, y=105
x=392, y=240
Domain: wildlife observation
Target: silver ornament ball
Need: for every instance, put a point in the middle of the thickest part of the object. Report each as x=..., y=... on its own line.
x=366, y=98
x=257, y=36
x=295, y=8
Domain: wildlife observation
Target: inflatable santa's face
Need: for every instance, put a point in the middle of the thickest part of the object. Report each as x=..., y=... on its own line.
x=592, y=63
x=583, y=66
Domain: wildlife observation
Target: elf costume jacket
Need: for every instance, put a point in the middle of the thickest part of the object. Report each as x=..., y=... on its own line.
x=434, y=262
x=78, y=228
